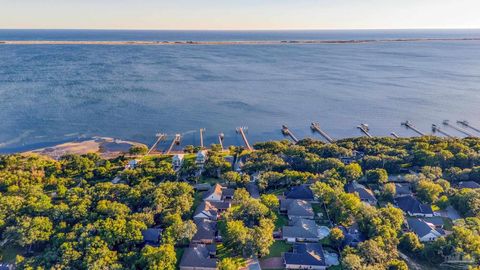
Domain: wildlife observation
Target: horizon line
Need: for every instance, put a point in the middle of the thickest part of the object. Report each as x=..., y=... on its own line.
x=246, y=29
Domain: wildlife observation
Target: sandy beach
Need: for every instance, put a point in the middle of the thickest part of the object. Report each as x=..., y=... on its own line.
x=258, y=42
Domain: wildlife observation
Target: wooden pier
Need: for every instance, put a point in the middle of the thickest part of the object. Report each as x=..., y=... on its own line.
x=435, y=128
x=160, y=137
x=287, y=132
x=221, y=136
x=394, y=135
x=316, y=127
x=409, y=125
x=202, y=130
x=241, y=131
x=365, y=129
x=176, y=141
x=461, y=130
x=466, y=124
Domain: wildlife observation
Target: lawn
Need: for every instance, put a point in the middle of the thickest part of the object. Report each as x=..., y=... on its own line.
x=281, y=221
x=223, y=252
x=179, y=252
x=9, y=254
x=278, y=248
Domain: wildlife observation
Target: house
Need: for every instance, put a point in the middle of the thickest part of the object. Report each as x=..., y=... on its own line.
x=352, y=235
x=252, y=189
x=199, y=257
x=468, y=184
x=305, y=256
x=425, y=231
x=403, y=189
x=411, y=206
x=365, y=194
x=202, y=187
x=217, y=193
x=201, y=157
x=132, y=164
x=356, y=155
x=302, y=192
x=152, y=236
x=301, y=230
x=177, y=161
x=210, y=210
x=296, y=209
x=206, y=232
x=6, y=266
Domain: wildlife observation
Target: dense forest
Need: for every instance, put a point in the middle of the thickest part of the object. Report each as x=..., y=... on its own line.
x=71, y=214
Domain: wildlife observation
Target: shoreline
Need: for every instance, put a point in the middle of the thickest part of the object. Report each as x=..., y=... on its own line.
x=246, y=42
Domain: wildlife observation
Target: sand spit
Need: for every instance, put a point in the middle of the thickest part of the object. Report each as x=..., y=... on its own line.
x=259, y=42
x=104, y=146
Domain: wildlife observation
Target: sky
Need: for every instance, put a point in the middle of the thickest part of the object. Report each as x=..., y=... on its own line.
x=239, y=14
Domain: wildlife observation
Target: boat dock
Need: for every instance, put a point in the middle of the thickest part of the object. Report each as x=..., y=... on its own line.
x=394, y=135
x=241, y=131
x=176, y=141
x=365, y=129
x=316, y=127
x=409, y=125
x=466, y=124
x=435, y=128
x=461, y=130
x=221, y=136
x=160, y=137
x=202, y=130
x=287, y=132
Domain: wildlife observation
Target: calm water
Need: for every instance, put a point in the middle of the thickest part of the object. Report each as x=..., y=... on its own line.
x=50, y=94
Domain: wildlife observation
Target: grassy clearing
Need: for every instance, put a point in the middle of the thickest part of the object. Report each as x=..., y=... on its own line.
x=9, y=254
x=223, y=252
x=278, y=248
x=281, y=221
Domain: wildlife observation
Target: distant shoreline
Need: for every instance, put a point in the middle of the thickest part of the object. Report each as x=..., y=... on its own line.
x=252, y=42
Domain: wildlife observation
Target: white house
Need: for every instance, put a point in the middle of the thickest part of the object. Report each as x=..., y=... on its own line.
x=177, y=161
x=425, y=231
x=201, y=157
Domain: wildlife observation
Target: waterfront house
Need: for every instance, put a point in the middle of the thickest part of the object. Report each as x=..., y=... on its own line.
x=132, y=164
x=201, y=158
x=413, y=207
x=206, y=232
x=252, y=189
x=305, y=256
x=468, y=184
x=365, y=194
x=352, y=235
x=296, y=209
x=403, y=189
x=217, y=193
x=301, y=230
x=425, y=231
x=199, y=257
x=152, y=236
x=177, y=161
x=210, y=210
x=302, y=192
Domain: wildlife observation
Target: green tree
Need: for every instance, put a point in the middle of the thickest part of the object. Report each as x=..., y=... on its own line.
x=378, y=176
x=229, y=264
x=409, y=242
x=352, y=172
x=138, y=150
x=271, y=201
x=158, y=258
x=336, y=237
x=428, y=191
x=30, y=231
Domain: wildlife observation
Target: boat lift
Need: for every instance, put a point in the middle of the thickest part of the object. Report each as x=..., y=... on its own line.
x=316, y=127
x=287, y=132
x=466, y=124
x=176, y=141
x=409, y=125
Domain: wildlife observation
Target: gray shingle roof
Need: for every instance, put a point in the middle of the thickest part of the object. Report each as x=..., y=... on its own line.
x=412, y=205
x=206, y=230
x=302, y=192
x=468, y=184
x=301, y=228
x=306, y=254
x=198, y=256
x=419, y=226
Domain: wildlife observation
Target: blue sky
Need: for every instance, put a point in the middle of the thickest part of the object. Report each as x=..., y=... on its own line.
x=239, y=14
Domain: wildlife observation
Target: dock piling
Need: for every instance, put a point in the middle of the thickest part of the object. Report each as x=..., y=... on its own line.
x=202, y=130
x=221, y=136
